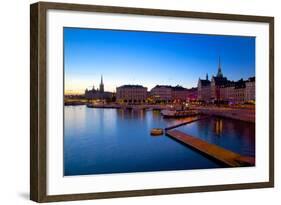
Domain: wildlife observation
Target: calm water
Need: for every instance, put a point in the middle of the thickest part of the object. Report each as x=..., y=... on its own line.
x=234, y=135
x=100, y=141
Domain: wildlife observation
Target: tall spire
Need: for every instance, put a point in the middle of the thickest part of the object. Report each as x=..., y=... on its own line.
x=219, y=74
x=101, y=85
x=207, y=77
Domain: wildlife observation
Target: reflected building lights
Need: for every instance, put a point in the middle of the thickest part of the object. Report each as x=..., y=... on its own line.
x=218, y=127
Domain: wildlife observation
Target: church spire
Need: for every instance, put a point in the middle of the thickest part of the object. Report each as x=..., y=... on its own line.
x=101, y=85
x=219, y=74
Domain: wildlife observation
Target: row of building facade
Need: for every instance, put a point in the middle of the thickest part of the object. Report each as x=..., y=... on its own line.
x=140, y=94
x=218, y=89
x=158, y=94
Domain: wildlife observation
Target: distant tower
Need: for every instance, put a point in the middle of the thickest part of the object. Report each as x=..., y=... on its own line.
x=101, y=85
x=219, y=74
x=207, y=77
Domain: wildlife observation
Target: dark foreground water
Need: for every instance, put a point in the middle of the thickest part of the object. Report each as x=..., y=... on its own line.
x=101, y=141
x=234, y=135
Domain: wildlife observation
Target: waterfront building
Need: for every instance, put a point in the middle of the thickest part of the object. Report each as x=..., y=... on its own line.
x=233, y=92
x=168, y=93
x=227, y=92
x=132, y=94
x=192, y=94
x=220, y=89
x=161, y=93
x=250, y=91
x=239, y=91
x=98, y=94
x=179, y=93
x=204, y=89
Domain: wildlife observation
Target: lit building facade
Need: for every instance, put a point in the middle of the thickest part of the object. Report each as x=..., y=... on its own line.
x=132, y=94
x=179, y=93
x=227, y=92
x=220, y=89
x=233, y=92
x=204, y=89
x=161, y=93
x=168, y=94
x=250, y=91
x=192, y=94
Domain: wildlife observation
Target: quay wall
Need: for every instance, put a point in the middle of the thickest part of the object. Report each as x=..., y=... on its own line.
x=238, y=114
x=137, y=107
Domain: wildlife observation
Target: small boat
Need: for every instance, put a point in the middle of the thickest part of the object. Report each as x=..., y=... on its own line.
x=168, y=113
x=157, y=131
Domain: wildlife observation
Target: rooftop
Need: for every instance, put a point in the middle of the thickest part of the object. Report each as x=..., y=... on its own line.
x=163, y=86
x=205, y=82
x=132, y=86
x=251, y=79
x=220, y=80
x=179, y=88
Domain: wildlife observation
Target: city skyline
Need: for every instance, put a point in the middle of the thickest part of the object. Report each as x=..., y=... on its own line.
x=151, y=58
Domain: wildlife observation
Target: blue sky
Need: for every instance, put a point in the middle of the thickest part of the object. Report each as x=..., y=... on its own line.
x=150, y=58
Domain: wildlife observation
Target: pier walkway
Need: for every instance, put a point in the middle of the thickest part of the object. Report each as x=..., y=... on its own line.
x=190, y=120
x=222, y=155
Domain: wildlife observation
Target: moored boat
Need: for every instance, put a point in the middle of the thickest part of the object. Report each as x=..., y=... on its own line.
x=157, y=131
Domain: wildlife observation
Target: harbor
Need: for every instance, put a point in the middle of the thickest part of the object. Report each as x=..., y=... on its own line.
x=221, y=155
x=186, y=115
x=172, y=111
x=141, y=101
x=109, y=129
x=182, y=114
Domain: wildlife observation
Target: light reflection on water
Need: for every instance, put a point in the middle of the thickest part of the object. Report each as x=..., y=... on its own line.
x=234, y=135
x=99, y=141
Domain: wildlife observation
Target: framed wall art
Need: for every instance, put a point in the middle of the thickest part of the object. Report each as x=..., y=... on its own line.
x=134, y=102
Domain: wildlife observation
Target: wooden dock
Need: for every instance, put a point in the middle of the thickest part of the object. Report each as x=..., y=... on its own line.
x=220, y=154
x=193, y=119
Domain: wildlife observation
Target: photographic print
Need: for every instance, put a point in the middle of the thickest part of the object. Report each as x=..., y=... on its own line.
x=143, y=101
x=135, y=102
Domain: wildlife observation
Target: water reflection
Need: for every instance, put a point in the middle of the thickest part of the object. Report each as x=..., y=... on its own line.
x=116, y=141
x=218, y=127
x=101, y=141
x=131, y=113
x=234, y=135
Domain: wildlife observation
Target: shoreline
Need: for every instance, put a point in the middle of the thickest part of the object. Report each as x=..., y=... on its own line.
x=236, y=114
x=247, y=115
